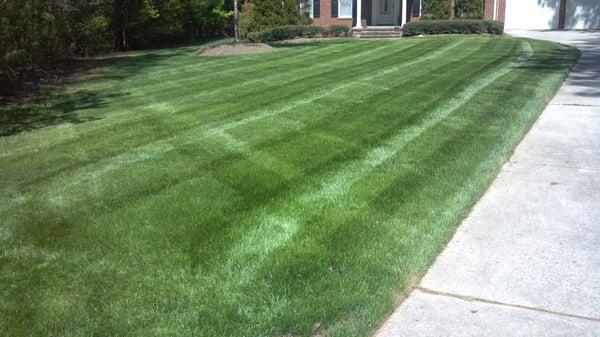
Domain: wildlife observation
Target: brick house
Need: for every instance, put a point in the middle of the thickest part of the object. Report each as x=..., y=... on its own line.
x=382, y=12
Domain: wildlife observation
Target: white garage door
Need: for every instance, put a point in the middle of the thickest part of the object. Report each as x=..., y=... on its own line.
x=583, y=14
x=532, y=14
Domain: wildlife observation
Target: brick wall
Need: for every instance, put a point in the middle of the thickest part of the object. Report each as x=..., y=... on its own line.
x=325, y=18
x=489, y=10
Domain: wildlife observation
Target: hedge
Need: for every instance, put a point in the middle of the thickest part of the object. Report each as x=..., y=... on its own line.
x=281, y=33
x=453, y=27
x=336, y=31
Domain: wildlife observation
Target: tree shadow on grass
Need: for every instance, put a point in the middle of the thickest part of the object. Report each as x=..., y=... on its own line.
x=551, y=61
x=584, y=66
x=554, y=60
x=53, y=109
x=44, y=103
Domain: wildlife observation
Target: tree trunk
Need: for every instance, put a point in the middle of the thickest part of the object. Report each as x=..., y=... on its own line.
x=125, y=39
x=236, y=16
x=120, y=15
x=562, y=14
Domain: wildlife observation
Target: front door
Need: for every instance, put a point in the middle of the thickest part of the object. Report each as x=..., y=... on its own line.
x=386, y=12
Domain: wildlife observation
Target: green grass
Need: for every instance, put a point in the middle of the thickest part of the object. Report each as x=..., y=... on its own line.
x=296, y=193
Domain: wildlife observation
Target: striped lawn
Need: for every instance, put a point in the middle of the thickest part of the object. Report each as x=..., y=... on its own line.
x=296, y=193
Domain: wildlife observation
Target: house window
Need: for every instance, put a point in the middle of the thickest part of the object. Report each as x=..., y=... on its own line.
x=345, y=8
x=334, y=8
x=316, y=9
x=416, y=8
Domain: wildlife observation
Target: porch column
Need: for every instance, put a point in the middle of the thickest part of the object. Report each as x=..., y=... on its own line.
x=358, y=14
x=403, y=12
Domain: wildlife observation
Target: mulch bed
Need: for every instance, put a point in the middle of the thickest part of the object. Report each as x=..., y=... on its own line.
x=236, y=49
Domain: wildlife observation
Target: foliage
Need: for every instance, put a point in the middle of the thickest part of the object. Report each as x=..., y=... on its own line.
x=39, y=32
x=468, y=9
x=281, y=33
x=453, y=27
x=437, y=9
x=336, y=31
x=247, y=23
x=258, y=15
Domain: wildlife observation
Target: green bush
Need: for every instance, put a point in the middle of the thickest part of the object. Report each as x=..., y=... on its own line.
x=259, y=15
x=34, y=35
x=336, y=31
x=495, y=27
x=437, y=9
x=453, y=27
x=468, y=9
x=312, y=31
x=285, y=33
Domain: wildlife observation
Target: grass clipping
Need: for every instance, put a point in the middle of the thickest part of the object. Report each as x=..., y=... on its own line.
x=236, y=49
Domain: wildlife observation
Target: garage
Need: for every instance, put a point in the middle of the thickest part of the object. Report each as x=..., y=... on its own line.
x=552, y=14
x=582, y=14
x=532, y=14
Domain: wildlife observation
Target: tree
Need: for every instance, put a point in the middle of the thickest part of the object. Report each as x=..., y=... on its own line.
x=468, y=9
x=437, y=9
x=261, y=14
x=129, y=15
x=236, y=21
x=39, y=32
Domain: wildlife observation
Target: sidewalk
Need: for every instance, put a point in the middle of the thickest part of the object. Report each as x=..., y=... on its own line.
x=526, y=262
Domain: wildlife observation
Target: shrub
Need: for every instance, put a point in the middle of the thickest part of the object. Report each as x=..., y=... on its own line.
x=285, y=33
x=437, y=9
x=468, y=9
x=312, y=31
x=495, y=27
x=259, y=15
x=453, y=27
x=336, y=31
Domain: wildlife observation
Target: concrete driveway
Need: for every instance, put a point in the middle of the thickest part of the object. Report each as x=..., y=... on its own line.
x=526, y=262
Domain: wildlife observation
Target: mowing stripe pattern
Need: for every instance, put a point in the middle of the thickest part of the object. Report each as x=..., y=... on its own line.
x=296, y=193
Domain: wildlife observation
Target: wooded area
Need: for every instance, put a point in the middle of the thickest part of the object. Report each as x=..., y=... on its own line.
x=37, y=31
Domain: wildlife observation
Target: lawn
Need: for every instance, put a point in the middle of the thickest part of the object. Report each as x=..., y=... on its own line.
x=296, y=193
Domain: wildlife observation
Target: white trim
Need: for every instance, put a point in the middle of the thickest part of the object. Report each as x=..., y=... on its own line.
x=312, y=9
x=495, y=15
x=358, y=14
x=403, y=19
